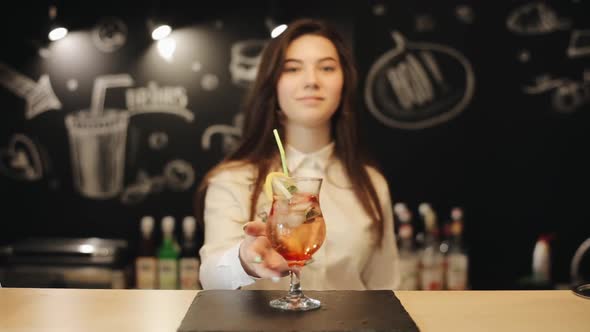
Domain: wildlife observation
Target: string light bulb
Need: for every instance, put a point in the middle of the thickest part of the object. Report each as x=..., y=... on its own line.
x=56, y=30
x=161, y=31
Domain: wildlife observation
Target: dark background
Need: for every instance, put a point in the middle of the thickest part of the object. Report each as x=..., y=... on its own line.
x=515, y=163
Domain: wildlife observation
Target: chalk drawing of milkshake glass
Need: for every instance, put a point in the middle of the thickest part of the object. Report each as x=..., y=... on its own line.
x=97, y=142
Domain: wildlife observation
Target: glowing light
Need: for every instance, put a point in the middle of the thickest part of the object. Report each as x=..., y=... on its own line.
x=57, y=33
x=161, y=32
x=86, y=248
x=166, y=48
x=278, y=30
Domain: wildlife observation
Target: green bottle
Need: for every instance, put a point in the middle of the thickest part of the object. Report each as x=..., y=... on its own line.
x=168, y=257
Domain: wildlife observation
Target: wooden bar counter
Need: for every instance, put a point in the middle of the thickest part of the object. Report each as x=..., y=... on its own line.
x=23, y=309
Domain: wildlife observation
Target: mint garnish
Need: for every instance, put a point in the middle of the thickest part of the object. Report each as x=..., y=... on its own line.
x=311, y=213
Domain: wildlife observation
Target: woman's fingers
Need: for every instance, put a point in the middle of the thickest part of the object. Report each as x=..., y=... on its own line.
x=255, y=228
x=264, y=260
x=276, y=263
x=260, y=246
x=258, y=257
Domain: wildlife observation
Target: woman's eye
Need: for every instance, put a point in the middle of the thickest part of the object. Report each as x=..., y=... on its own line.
x=290, y=69
x=328, y=68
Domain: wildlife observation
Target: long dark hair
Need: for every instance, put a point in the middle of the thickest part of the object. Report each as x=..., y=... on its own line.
x=258, y=147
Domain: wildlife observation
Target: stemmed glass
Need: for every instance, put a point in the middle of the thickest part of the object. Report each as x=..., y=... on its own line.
x=296, y=230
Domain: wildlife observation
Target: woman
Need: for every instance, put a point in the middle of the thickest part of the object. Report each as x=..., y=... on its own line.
x=305, y=88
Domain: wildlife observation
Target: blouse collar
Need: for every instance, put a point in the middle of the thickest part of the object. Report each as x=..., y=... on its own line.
x=318, y=159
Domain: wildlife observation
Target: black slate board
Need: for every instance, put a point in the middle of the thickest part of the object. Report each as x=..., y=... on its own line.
x=248, y=311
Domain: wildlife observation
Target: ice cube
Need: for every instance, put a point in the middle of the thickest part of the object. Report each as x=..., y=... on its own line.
x=281, y=207
x=300, y=207
x=280, y=188
x=300, y=198
x=294, y=219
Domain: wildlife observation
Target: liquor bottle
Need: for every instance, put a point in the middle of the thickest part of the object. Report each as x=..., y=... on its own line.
x=175, y=244
x=189, y=262
x=409, y=259
x=456, y=276
x=541, y=266
x=145, y=262
x=431, y=260
x=167, y=257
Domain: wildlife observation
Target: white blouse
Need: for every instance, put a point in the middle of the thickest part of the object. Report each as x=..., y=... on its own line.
x=349, y=258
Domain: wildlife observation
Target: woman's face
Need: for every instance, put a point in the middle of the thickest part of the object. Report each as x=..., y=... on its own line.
x=310, y=84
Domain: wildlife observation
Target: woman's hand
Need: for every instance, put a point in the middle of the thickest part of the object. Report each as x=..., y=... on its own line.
x=257, y=256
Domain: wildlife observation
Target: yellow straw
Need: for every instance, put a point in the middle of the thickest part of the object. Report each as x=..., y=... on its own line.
x=281, y=151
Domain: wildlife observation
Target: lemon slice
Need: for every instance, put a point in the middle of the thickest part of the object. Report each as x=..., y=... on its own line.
x=268, y=185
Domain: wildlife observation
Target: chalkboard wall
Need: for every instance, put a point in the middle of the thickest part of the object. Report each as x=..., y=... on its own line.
x=480, y=105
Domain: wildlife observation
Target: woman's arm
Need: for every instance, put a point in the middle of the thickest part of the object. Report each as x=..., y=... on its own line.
x=224, y=217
